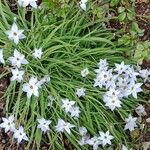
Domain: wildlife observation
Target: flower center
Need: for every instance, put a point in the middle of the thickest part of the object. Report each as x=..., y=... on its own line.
x=31, y=87
x=65, y=124
x=15, y=34
x=20, y=134
x=124, y=87
x=113, y=101
x=105, y=76
x=113, y=93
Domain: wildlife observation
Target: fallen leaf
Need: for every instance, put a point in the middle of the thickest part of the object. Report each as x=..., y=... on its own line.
x=146, y=145
x=135, y=134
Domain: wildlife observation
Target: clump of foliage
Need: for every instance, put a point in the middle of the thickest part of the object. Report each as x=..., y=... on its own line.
x=131, y=32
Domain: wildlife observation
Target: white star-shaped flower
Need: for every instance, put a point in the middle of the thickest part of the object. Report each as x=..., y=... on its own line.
x=105, y=138
x=95, y=142
x=25, y=3
x=83, y=140
x=15, y=34
x=144, y=73
x=71, y=108
x=111, y=102
x=104, y=76
x=130, y=72
x=37, y=53
x=33, y=3
x=44, y=124
x=135, y=88
x=84, y=1
x=74, y=111
x=124, y=147
x=82, y=4
x=97, y=82
x=140, y=110
x=84, y=72
x=17, y=75
x=111, y=82
x=67, y=104
x=1, y=57
x=18, y=59
x=120, y=68
x=31, y=88
x=80, y=92
x=113, y=93
x=8, y=124
x=130, y=123
x=64, y=126
x=122, y=81
x=46, y=78
x=20, y=135
x=103, y=64
x=82, y=131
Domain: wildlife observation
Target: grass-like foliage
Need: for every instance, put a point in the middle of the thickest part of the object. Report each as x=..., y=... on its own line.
x=69, y=45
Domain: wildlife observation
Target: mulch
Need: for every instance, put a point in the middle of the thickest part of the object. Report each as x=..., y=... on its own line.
x=143, y=9
x=146, y=134
x=4, y=82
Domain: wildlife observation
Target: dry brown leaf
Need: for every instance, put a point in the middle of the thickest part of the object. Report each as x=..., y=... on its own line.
x=143, y=1
x=135, y=134
x=146, y=145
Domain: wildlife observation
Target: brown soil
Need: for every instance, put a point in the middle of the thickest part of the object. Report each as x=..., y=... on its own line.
x=3, y=86
x=4, y=82
x=143, y=9
x=13, y=6
x=146, y=65
x=146, y=133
